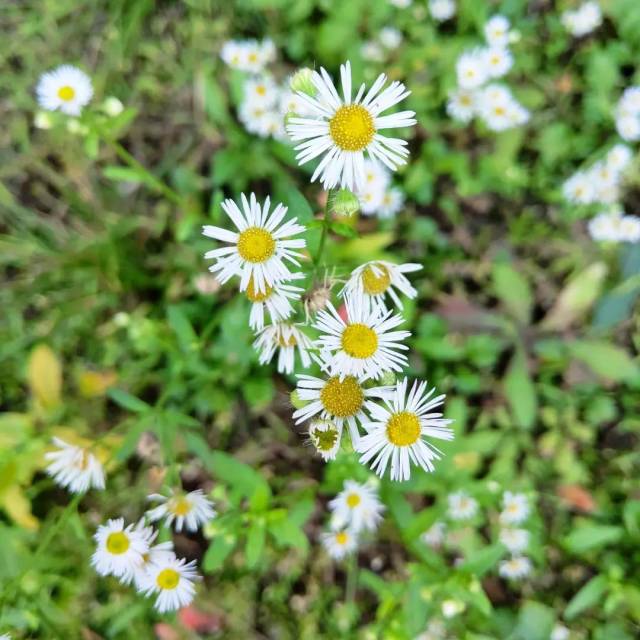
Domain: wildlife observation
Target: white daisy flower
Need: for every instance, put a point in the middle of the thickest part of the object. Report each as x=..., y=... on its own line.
x=559, y=632
x=399, y=429
x=496, y=31
x=172, y=579
x=498, y=108
x=119, y=550
x=261, y=246
x=628, y=127
x=357, y=507
x=498, y=61
x=365, y=344
x=325, y=436
x=392, y=202
x=442, y=10
x=376, y=181
x=583, y=20
x=74, y=467
x=371, y=51
x=255, y=118
x=276, y=300
x=373, y=281
x=248, y=55
x=285, y=338
x=159, y=553
x=619, y=158
x=435, y=535
x=290, y=102
x=613, y=226
x=342, y=129
x=370, y=198
x=471, y=69
x=462, y=104
x=578, y=189
x=516, y=540
x=189, y=510
x=337, y=400
x=629, y=103
x=390, y=37
x=261, y=92
x=65, y=89
x=515, y=568
x=515, y=508
x=462, y=506
x=339, y=544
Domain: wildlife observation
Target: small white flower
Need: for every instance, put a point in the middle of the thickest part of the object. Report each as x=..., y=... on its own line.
x=392, y=202
x=619, y=157
x=357, y=507
x=583, y=20
x=370, y=198
x=559, y=632
x=290, y=102
x=66, y=89
x=248, y=55
x=496, y=31
x=119, y=550
x=442, y=10
x=5, y=636
x=629, y=103
x=498, y=61
x=260, y=247
x=499, y=109
x=276, y=300
x=401, y=4
x=373, y=281
x=261, y=92
x=342, y=130
x=74, y=467
x=451, y=608
x=189, y=510
x=613, y=226
x=338, y=400
x=628, y=127
x=516, y=540
x=285, y=338
x=159, y=553
x=578, y=189
x=462, y=104
x=339, y=544
x=515, y=568
x=515, y=508
x=462, y=506
x=399, y=430
x=390, y=37
x=435, y=535
x=365, y=343
x=172, y=580
x=325, y=436
x=471, y=69
x=372, y=51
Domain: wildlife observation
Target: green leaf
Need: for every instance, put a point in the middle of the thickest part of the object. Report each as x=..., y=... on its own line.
x=590, y=537
x=127, y=174
x=520, y=391
x=590, y=595
x=605, y=359
x=513, y=290
x=483, y=560
x=181, y=326
x=127, y=401
x=223, y=544
x=286, y=533
x=631, y=517
x=535, y=622
x=255, y=542
x=343, y=229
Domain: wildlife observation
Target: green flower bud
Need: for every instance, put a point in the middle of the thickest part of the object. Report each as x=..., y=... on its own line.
x=296, y=401
x=387, y=379
x=112, y=106
x=301, y=81
x=344, y=202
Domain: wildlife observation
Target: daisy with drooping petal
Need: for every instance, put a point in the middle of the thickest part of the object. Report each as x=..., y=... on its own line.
x=342, y=129
x=172, y=579
x=285, y=338
x=74, y=467
x=339, y=544
x=357, y=507
x=65, y=89
x=119, y=549
x=276, y=300
x=434, y=536
x=515, y=508
x=515, y=568
x=516, y=540
x=373, y=281
x=190, y=510
x=462, y=506
x=260, y=247
x=325, y=436
x=363, y=345
x=337, y=400
x=399, y=430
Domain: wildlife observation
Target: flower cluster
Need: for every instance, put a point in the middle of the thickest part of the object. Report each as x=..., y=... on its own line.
x=614, y=226
x=378, y=196
x=583, y=20
x=250, y=56
x=131, y=554
x=355, y=511
x=515, y=510
x=628, y=115
x=476, y=94
x=442, y=10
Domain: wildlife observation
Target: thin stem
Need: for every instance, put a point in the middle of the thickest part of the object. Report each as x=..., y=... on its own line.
x=326, y=223
x=352, y=579
x=62, y=520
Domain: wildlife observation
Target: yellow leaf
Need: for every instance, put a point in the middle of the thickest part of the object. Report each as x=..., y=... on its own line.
x=45, y=376
x=93, y=384
x=18, y=508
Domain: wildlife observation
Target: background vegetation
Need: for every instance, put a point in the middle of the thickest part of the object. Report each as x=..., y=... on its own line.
x=530, y=328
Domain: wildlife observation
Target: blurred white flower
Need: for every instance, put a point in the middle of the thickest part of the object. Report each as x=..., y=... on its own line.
x=496, y=31
x=401, y=4
x=462, y=104
x=615, y=227
x=498, y=61
x=392, y=201
x=462, y=506
x=578, y=189
x=357, y=508
x=189, y=510
x=74, y=467
x=65, y=89
x=390, y=37
x=442, y=10
x=515, y=508
x=248, y=55
x=559, y=632
x=628, y=114
x=339, y=544
x=451, y=608
x=516, y=540
x=261, y=91
x=435, y=535
x=471, y=69
x=515, y=568
x=583, y=20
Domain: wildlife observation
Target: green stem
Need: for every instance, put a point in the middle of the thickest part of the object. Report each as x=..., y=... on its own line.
x=62, y=520
x=150, y=178
x=352, y=579
x=326, y=223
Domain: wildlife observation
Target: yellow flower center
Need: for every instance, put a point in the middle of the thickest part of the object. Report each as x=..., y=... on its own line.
x=168, y=579
x=512, y=508
x=117, y=543
x=351, y=127
x=256, y=244
x=342, y=538
x=253, y=57
x=499, y=111
x=359, y=341
x=286, y=342
x=257, y=296
x=66, y=93
x=353, y=500
x=180, y=506
x=261, y=90
x=376, y=281
x=403, y=429
x=342, y=399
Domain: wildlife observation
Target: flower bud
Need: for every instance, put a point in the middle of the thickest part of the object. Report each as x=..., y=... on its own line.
x=302, y=82
x=344, y=202
x=112, y=106
x=42, y=120
x=296, y=401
